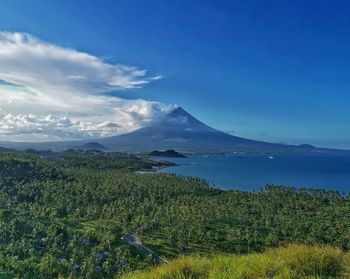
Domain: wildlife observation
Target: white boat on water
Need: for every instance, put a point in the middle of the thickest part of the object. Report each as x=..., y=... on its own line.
x=271, y=157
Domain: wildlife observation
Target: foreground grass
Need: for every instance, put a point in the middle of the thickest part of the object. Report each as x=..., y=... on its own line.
x=292, y=261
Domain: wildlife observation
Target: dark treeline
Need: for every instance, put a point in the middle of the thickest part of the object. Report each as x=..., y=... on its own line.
x=65, y=214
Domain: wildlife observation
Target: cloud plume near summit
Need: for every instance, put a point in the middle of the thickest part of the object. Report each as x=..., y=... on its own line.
x=48, y=92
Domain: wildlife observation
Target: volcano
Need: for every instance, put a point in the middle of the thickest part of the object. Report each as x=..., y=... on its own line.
x=181, y=131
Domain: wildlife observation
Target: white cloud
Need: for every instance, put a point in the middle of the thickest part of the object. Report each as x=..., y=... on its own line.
x=18, y=127
x=51, y=92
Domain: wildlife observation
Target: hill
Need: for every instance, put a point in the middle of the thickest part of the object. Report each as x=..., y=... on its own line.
x=166, y=153
x=69, y=214
x=91, y=146
x=292, y=261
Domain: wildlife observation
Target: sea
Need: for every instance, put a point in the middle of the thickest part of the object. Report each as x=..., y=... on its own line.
x=253, y=172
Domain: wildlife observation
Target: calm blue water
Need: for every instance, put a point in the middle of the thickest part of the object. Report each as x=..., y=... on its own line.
x=254, y=172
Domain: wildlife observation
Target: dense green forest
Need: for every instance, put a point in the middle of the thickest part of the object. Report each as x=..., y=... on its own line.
x=67, y=214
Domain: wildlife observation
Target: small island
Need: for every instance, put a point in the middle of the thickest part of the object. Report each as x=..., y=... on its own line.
x=167, y=153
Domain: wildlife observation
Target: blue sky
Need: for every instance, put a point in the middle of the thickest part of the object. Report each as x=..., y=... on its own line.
x=269, y=70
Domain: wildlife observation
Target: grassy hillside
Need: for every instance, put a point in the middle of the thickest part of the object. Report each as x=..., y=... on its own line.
x=293, y=261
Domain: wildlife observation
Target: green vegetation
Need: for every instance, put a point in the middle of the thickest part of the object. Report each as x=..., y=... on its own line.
x=293, y=261
x=166, y=153
x=64, y=214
